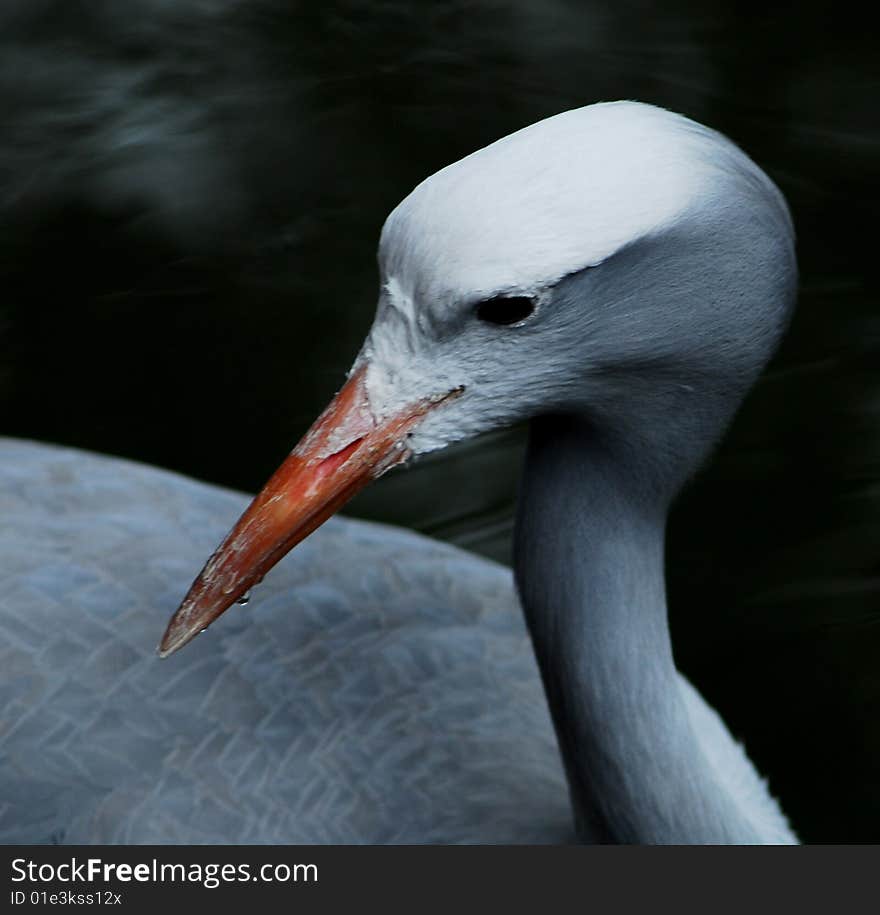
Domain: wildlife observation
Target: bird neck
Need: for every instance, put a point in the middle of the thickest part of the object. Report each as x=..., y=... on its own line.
x=589, y=567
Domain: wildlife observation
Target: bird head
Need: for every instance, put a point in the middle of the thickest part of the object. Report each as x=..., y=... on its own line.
x=616, y=261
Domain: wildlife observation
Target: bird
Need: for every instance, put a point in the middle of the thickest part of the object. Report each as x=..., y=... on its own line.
x=617, y=276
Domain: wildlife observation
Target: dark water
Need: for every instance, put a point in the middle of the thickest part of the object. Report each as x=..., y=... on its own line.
x=191, y=197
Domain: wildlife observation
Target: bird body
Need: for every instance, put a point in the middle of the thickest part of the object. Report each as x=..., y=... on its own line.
x=398, y=703
x=618, y=276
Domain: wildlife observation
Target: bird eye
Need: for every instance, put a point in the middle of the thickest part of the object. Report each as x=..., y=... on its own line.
x=505, y=309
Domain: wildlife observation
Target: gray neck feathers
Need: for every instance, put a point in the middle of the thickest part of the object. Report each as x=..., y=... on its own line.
x=589, y=565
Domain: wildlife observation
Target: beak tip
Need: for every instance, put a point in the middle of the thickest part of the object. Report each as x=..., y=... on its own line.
x=174, y=639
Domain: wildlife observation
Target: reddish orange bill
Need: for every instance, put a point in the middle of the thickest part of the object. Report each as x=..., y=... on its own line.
x=345, y=449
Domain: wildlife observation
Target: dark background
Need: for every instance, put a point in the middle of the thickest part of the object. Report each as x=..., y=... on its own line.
x=190, y=198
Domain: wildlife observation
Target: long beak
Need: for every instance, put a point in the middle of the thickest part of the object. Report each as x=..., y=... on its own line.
x=345, y=449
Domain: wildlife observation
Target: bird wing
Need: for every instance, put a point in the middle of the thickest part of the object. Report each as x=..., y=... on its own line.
x=379, y=687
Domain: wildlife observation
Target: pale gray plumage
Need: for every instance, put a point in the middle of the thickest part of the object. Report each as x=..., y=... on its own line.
x=661, y=260
x=397, y=702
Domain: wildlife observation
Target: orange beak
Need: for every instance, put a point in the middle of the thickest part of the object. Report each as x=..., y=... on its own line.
x=344, y=450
